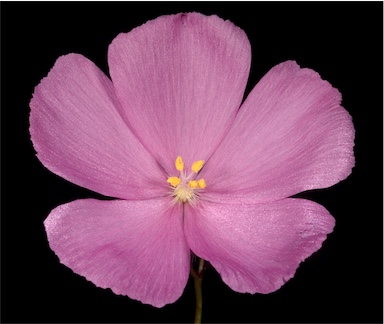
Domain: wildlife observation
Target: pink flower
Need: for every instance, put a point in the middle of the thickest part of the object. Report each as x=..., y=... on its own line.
x=192, y=171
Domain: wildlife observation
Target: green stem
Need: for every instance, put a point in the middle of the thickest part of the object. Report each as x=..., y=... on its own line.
x=197, y=280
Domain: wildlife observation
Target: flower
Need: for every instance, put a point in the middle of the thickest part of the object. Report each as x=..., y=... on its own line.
x=193, y=168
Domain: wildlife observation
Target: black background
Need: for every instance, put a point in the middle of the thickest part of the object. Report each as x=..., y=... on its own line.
x=341, y=283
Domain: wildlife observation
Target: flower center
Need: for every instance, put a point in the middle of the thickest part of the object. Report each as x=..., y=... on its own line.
x=185, y=187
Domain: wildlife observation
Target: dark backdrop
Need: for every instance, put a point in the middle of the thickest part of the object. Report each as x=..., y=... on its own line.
x=342, y=282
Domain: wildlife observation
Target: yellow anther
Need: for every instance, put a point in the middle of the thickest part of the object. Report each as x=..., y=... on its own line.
x=196, y=167
x=179, y=164
x=201, y=184
x=186, y=190
x=174, y=181
x=193, y=184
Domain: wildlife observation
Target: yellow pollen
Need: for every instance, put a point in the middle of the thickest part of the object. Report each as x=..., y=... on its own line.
x=179, y=164
x=201, y=183
x=174, y=181
x=197, y=166
x=193, y=184
x=185, y=187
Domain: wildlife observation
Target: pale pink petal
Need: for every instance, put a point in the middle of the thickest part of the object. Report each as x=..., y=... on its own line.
x=135, y=248
x=180, y=79
x=290, y=135
x=78, y=133
x=257, y=248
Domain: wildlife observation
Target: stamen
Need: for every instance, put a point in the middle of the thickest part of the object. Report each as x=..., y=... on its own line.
x=193, y=184
x=201, y=183
x=179, y=164
x=174, y=181
x=185, y=187
x=197, y=166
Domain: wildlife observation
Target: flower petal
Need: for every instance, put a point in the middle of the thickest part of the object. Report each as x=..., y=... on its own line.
x=257, y=248
x=79, y=135
x=290, y=135
x=181, y=79
x=136, y=248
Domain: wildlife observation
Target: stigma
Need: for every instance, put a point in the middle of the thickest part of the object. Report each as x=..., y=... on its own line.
x=185, y=187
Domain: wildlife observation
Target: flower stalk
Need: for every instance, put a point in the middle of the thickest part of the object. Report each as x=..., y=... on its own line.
x=197, y=276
